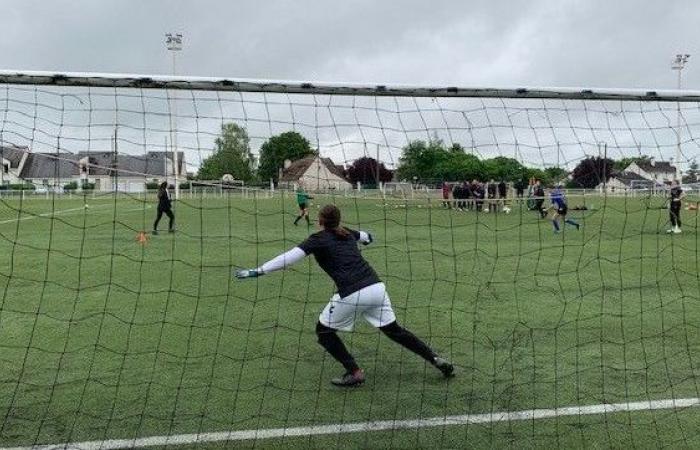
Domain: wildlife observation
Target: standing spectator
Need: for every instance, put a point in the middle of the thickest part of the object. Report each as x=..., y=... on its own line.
x=479, y=194
x=466, y=188
x=457, y=196
x=502, y=193
x=538, y=195
x=446, y=195
x=491, y=190
x=519, y=188
x=466, y=195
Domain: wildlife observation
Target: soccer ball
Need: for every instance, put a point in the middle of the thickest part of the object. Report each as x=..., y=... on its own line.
x=86, y=206
x=506, y=210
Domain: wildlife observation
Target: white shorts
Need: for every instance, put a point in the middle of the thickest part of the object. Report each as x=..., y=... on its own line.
x=371, y=302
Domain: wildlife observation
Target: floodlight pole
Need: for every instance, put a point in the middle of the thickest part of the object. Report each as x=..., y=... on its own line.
x=604, y=147
x=678, y=64
x=379, y=185
x=174, y=45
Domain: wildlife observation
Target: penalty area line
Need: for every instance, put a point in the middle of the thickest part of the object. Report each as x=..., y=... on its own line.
x=363, y=427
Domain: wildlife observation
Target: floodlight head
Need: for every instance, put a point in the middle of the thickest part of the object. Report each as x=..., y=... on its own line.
x=680, y=60
x=173, y=41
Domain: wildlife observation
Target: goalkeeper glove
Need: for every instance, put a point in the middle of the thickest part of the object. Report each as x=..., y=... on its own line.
x=248, y=273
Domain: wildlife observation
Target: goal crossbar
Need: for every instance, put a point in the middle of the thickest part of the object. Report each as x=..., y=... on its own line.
x=111, y=80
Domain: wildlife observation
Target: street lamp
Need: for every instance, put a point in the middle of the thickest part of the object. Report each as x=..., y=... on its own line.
x=678, y=64
x=174, y=44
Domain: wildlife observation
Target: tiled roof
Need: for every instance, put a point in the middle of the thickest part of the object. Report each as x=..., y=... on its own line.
x=627, y=178
x=13, y=155
x=67, y=165
x=297, y=169
x=658, y=166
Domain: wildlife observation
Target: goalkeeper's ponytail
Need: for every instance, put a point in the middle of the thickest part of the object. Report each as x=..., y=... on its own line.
x=329, y=218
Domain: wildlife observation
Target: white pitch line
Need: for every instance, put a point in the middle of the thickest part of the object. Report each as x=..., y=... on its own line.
x=360, y=427
x=46, y=214
x=63, y=211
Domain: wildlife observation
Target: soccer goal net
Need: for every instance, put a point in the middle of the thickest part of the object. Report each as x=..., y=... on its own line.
x=548, y=257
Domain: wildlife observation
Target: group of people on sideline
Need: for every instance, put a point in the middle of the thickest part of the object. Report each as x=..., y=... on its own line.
x=476, y=196
x=492, y=196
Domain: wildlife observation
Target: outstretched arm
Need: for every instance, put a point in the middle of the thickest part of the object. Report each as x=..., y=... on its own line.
x=279, y=262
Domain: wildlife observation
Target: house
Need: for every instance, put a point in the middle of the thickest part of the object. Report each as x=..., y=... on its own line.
x=127, y=173
x=625, y=181
x=660, y=172
x=12, y=159
x=315, y=173
x=108, y=172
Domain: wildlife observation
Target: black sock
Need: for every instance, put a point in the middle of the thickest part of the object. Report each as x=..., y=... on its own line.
x=307, y=220
x=297, y=220
x=407, y=339
x=329, y=340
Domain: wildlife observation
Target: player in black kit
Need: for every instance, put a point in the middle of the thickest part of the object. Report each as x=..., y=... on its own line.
x=164, y=207
x=674, y=208
x=360, y=293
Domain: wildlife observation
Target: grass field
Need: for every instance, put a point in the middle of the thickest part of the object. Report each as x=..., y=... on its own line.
x=104, y=338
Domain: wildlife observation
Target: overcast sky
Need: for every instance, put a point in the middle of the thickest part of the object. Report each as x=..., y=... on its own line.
x=588, y=43
x=461, y=42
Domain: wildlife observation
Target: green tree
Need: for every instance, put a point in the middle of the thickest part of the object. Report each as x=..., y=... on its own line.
x=555, y=174
x=692, y=175
x=364, y=170
x=290, y=145
x=423, y=160
x=503, y=168
x=591, y=171
x=231, y=155
x=461, y=167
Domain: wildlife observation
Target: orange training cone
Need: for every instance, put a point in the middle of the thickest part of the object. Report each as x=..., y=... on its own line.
x=142, y=238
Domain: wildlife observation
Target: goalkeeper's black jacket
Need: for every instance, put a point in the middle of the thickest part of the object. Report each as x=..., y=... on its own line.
x=163, y=200
x=341, y=259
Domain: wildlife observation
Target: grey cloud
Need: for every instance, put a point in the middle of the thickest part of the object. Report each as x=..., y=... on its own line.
x=468, y=43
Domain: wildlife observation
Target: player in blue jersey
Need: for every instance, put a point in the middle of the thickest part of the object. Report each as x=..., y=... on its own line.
x=559, y=204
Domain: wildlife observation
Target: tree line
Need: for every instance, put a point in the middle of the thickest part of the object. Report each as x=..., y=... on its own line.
x=421, y=161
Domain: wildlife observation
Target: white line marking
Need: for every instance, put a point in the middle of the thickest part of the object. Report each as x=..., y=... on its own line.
x=46, y=214
x=64, y=211
x=360, y=427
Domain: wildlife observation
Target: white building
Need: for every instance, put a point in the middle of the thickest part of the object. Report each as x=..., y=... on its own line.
x=107, y=171
x=622, y=182
x=316, y=174
x=660, y=172
x=12, y=160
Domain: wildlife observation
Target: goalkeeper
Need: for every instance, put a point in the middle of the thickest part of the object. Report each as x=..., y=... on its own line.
x=674, y=207
x=360, y=293
x=303, y=202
